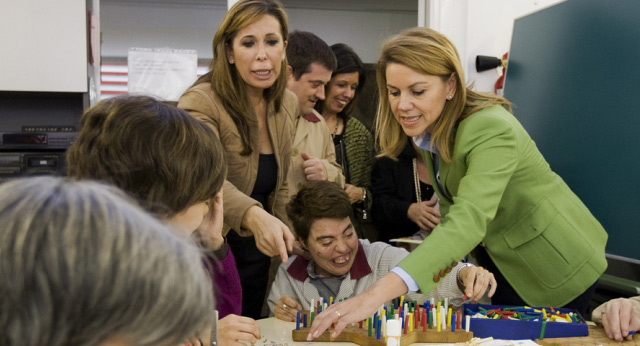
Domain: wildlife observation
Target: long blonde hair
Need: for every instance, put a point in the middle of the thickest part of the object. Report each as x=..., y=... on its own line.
x=426, y=51
x=225, y=79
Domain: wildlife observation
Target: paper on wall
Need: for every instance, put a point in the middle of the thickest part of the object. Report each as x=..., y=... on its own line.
x=161, y=72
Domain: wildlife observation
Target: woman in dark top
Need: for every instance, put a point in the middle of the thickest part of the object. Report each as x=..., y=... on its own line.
x=244, y=101
x=352, y=140
x=396, y=211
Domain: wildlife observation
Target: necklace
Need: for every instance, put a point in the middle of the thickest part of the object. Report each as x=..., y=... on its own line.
x=416, y=181
x=335, y=130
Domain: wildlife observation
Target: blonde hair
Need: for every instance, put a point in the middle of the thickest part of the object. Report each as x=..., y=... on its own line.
x=427, y=52
x=225, y=79
x=80, y=264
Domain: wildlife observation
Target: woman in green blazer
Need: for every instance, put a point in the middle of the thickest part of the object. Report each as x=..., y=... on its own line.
x=496, y=190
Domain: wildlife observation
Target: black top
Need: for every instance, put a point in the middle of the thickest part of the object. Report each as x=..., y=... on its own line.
x=393, y=189
x=341, y=155
x=266, y=181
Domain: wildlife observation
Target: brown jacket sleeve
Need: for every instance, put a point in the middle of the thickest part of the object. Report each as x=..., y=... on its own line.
x=281, y=196
x=202, y=105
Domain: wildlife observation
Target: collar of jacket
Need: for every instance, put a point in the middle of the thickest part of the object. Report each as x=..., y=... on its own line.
x=359, y=269
x=310, y=117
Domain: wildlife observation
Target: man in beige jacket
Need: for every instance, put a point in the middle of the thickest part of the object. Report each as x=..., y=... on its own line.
x=311, y=63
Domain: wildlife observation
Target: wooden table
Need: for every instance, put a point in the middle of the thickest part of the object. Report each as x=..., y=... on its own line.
x=277, y=332
x=596, y=337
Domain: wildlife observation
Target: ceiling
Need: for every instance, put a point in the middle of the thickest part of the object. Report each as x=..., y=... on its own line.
x=343, y=5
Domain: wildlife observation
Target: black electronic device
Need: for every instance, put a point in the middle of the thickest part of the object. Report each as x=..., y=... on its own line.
x=36, y=128
x=33, y=153
x=36, y=140
x=17, y=164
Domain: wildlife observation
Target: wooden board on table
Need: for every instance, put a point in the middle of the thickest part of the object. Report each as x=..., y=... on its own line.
x=359, y=336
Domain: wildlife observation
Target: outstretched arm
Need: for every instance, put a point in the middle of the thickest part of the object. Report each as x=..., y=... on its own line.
x=359, y=307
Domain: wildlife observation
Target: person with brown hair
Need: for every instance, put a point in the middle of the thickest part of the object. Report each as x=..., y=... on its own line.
x=310, y=64
x=175, y=167
x=341, y=265
x=352, y=140
x=244, y=101
x=82, y=264
x=498, y=196
x=155, y=152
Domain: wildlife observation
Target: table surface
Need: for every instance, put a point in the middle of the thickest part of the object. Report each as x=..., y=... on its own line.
x=596, y=337
x=276, y=332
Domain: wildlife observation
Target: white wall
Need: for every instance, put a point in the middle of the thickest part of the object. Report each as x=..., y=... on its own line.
x=475, y=27
x=363, y=31
x=126, y=25
x=481, y=28
x=43, y=45
x=191, y=26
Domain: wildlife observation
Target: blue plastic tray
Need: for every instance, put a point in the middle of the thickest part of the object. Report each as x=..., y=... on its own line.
x=517, y=330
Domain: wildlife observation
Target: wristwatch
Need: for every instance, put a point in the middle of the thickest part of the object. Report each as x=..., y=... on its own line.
x=463, y=265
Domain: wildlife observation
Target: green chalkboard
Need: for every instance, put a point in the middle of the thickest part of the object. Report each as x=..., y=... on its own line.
x=574, y=78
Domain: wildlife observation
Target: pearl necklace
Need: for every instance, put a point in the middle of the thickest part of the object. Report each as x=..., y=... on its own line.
x=416, y=181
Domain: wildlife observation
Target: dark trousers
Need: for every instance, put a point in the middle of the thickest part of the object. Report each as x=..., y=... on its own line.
x=253, y=268
x=506, y=295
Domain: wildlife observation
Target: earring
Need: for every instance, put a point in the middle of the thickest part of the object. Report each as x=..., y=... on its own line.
x=449, y=97
x=283, y=56
x=231, y=61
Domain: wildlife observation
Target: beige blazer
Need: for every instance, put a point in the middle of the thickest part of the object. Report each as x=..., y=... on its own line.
x=202, y=103
x=313, y=138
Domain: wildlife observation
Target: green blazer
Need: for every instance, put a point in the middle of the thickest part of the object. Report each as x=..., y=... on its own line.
x=498, y=190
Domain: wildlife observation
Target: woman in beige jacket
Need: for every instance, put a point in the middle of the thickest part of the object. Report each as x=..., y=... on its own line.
x=243, y=99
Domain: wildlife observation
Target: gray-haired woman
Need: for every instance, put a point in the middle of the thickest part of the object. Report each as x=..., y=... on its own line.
x=81, y=265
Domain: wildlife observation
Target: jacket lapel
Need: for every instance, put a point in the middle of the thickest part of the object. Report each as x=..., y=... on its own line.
x=301, y=134
x=428, y=159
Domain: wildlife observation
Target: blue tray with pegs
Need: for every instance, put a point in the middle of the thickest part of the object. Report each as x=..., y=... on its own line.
x=523, y=329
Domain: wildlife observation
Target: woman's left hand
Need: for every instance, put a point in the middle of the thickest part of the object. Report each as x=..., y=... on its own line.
x=234, y=330
x=356, y=194
x=210, y=231
x=476, y=280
